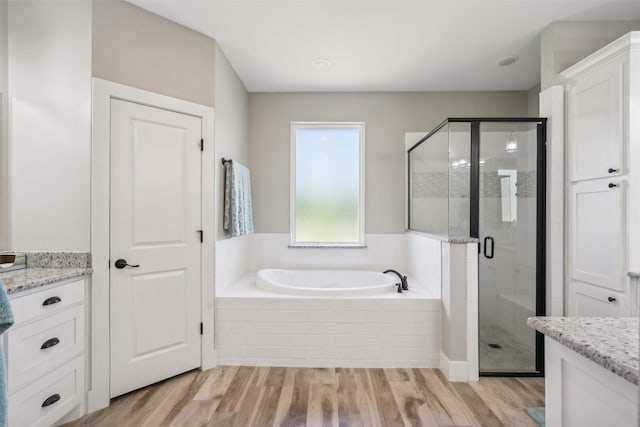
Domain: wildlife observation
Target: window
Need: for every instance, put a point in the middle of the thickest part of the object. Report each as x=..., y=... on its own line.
x=327, y=184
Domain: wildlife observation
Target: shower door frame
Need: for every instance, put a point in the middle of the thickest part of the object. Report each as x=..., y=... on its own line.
x=474, y=214
x=474, y=220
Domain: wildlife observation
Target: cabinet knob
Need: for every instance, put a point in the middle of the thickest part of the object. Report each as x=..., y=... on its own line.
x=612, y=185
x=611, y=299
x=613, y=170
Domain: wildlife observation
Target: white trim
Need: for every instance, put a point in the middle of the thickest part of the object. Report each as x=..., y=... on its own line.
x=552, y=107
x=292, y=188
x=455, y=371
x=103, y=92
x=610, y=52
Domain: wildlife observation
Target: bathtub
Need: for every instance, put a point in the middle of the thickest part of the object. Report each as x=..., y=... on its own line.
x=269, y=318
x=326, y=283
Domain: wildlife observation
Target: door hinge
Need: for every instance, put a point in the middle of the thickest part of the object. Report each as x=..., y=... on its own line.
x=202, y=145
x=201, y=328
x=201, y=235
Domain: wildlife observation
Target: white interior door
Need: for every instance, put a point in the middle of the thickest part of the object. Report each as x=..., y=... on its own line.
x=154, y=227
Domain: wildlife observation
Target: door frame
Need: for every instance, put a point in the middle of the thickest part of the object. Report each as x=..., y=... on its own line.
x=98, y=395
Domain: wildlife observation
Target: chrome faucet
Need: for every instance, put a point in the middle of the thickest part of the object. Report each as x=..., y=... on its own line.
x=403, y=285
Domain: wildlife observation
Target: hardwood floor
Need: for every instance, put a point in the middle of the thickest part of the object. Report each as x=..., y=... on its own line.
x=262, y=396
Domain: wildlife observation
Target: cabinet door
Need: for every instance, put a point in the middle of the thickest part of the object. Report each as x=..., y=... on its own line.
x=596, y=137
x=597, y=236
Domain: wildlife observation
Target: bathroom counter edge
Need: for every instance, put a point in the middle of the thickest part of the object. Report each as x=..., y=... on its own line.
x=18, y=281
x=611, y=342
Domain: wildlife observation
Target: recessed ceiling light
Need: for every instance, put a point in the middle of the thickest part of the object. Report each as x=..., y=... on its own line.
x=321, y=63
x=508, y=60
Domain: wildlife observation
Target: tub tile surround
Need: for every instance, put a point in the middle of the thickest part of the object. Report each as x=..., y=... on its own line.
x=262, y=328
x=382, y=251
x=611, y=342
x=44, y=268
x=267, y=329
x=459, y=313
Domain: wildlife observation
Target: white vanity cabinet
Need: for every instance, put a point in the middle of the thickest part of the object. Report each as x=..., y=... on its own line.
x=581, y=393
x=603, y=194
x=45, y=354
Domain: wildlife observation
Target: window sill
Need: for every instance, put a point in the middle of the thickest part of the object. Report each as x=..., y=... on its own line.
x=327, y=246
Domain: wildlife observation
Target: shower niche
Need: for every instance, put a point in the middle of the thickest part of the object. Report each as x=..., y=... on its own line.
x=484, y=178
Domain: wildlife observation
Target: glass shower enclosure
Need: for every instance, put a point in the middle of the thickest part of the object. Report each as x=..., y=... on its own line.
x=485, y=178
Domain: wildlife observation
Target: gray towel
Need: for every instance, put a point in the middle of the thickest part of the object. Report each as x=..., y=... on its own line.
x=238, y=218
x=6, y=320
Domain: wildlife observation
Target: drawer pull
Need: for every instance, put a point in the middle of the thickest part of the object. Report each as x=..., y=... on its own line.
x=51, y=301
x=51, y=400
x=613, y=170
x=612, y=185
x=50, y=343
x=611, y=299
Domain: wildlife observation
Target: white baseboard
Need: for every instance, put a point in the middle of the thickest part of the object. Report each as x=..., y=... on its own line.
x=454, y=370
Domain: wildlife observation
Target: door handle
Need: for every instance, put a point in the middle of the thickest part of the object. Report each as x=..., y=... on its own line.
x=487, y=239
x=122, y=263
x=613, y=170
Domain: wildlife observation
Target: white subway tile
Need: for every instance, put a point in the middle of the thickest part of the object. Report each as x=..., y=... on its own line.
x=357, y=340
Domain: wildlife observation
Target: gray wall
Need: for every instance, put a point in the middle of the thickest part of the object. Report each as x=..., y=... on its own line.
x=4, y=211
x=140, y=49
x=562, y=44
x=387, y=117
x=231, y=123
x=533, y=101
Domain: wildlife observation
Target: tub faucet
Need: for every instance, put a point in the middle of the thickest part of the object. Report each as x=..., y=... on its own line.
x=402, y=286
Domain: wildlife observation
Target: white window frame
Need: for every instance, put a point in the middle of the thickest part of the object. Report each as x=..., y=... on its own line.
x=292, y=199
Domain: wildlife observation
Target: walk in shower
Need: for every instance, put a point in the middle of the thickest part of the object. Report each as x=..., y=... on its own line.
x=485, y=179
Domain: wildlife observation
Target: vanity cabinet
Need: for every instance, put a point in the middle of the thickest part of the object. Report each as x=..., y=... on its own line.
x=45, y=355
x=581, y=393
x=603, y=194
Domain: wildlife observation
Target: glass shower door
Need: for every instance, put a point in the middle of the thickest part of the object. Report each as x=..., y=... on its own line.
x=507, y=218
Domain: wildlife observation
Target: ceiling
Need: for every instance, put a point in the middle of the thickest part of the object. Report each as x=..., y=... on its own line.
x=384, y=45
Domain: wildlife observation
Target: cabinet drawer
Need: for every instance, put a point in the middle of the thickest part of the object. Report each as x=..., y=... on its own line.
x=595, y=301
x=59, y=392
x=48, y=301
x=43, y=345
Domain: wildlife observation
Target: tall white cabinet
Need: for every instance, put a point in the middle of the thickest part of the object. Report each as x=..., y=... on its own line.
x=603, y=164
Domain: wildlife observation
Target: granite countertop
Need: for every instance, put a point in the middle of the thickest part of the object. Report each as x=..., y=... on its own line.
x=44, y=268
x=611, y=342
x=29, y=278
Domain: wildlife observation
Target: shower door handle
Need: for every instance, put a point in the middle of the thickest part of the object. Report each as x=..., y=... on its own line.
x=486, y=253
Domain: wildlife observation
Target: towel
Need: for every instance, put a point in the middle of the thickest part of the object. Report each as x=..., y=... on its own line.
x=238, y=218
x=6, y=320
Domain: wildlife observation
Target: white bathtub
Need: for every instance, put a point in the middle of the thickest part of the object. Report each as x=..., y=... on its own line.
x=326, y=283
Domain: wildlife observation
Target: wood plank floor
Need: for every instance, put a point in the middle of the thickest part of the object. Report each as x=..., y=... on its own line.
x=262, y=396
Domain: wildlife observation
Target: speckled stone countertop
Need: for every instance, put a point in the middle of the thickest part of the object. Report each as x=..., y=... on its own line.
x=29, y=278
x=611, y=342
x=44, y=268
